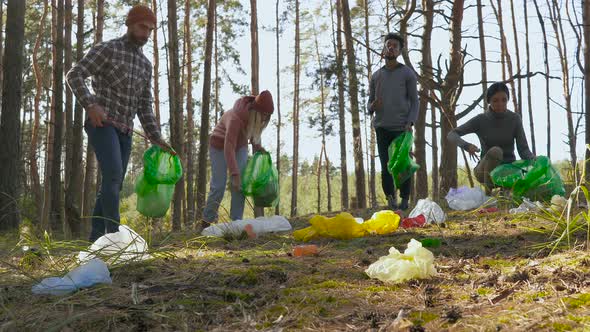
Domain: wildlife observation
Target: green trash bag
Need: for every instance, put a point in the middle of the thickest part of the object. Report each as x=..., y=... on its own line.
x=153, y=200
x=506, y=175
x=540, y=182
x=161, y=167
x=260, y=180
x=401, y=165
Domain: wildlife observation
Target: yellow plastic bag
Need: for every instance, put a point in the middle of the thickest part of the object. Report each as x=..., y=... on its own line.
x=343, y=226
x=382, y=222
x=305, y=234
x=415, y=263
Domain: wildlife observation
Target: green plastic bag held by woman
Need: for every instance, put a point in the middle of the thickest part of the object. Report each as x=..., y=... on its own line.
x=161, y=167
x=260, y=180
x=401, y=165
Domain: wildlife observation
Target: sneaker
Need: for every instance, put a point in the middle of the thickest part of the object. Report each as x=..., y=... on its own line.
x=404, y=205
x=392, y=202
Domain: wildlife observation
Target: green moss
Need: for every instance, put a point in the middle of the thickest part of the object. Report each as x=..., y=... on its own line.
x=580, y=320
x=581, y=300
x=484, y=291
x=422, y=317
x=331, y=284
x=376, y=289
x=561, y=327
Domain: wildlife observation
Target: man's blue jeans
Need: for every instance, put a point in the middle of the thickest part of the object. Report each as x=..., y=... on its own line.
x=112, y=149
x=218, y=185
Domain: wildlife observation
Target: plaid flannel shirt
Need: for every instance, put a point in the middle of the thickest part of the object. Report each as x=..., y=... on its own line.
x=121, y=80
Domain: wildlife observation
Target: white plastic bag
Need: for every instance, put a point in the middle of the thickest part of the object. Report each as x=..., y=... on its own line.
x=122, y=246
x=84, y=276
x=259, y=226
x=465, y=198
x=432, y=211
x=415, y=263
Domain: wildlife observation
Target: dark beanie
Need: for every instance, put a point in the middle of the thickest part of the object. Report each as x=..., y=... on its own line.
x=495, y=88
x=140, y=13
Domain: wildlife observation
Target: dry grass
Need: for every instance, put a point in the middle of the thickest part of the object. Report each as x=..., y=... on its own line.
x=489, y=279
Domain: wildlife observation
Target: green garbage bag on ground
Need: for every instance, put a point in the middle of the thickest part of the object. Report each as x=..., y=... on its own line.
x=153, y=200
x=260, y=180
x=161, y=167
x=401, y=165
x=534, y=179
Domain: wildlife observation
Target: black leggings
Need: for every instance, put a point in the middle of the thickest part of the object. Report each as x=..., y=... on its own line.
x=384, y=139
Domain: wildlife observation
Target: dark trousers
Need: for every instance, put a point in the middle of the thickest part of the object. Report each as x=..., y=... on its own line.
x=384, y=139
x=112, y=149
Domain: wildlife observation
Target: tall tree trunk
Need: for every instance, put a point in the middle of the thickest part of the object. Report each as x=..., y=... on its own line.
x=528, y=79
x=435, y=173
x=175, y=91
x=34, y=168
x=319, y=180
x=483, y=55
x=420, y=128
x=517, y=98
x=328, y=179
x=278, y=160
x=254, y=47
x=91, y=176
x=344, y=197
x=546, y=61
x=216, y=56
x=371, y=148
x=450, y=94
x=205, y=104
x=1, y=51
x=323, y=119
x=586, y=20
x=156, y=67
x=190, y=197
x=10, y=118
x=359, y=169
x=295, y=172
x=258, y=211
x=56, y=217
x=72, y=214
x=555, y=16
x=506, y=58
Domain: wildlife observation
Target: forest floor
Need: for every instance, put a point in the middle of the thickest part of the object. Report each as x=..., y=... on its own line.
x=490, y=278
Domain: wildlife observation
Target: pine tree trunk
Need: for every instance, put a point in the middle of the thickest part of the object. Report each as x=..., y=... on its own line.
x=344, y=197
x=586, y=22
x=91, y=175
x=319, y=180
x=175, y=91
x=10, y=119
x=371, y=148
x=295, y=169
x=420, y=127
x=328, y=180
x=190, y=197
x=258, y=211
x=56, y=216
x=555, y=17
x=506, y=58
x=516, y=98
x=216, y=56
x=205, y=104
x=278, y=160
x=528, y=79
x=449, y=92
x=435, y=173
x=156, y=67
x=482, y=54
x=546, y=61
x=359, y=169
x=34, y=168
x=323, y=120
x=1, y=51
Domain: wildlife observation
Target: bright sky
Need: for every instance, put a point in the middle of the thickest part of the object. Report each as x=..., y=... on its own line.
x=310, y=142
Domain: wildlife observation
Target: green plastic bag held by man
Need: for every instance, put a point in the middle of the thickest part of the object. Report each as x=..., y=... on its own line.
x=401, y=165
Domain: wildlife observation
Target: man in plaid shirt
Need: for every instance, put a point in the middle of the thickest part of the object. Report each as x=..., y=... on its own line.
x=121, y=80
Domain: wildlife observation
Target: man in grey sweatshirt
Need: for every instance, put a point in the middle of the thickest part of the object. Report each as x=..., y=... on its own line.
x=393, y=99
x=497, y=130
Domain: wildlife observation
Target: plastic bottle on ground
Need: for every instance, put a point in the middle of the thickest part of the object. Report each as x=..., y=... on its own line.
x=305, y=250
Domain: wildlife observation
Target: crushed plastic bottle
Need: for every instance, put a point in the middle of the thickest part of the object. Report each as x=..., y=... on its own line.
x=305, y=250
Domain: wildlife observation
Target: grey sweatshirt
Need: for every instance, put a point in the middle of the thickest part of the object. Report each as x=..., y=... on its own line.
x=495, y=129
x=399, y=96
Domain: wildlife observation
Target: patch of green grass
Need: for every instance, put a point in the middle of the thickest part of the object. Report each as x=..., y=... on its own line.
x=557, y=326
x=535, y=296
x=422, y=317
x=331, y=284
x=484, y=291
x=581, y=300
x=585, y=320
